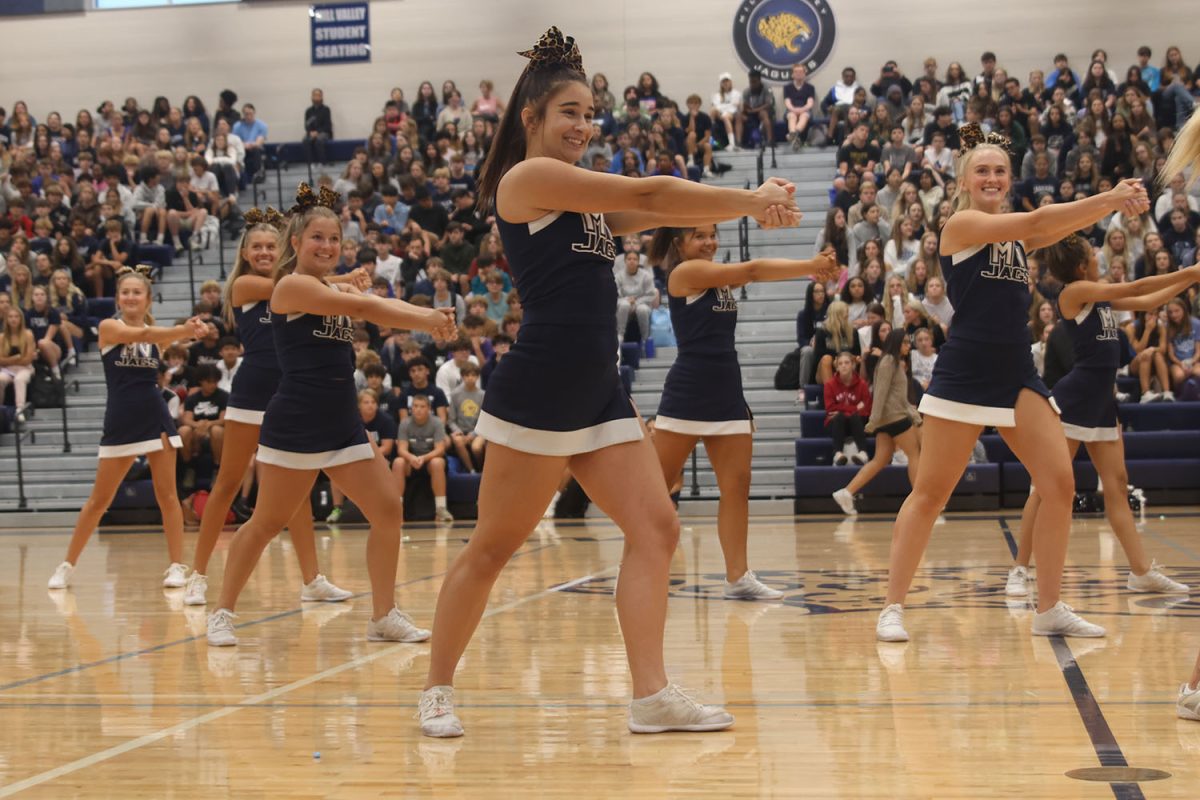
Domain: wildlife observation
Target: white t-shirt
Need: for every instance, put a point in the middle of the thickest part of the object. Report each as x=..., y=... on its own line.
x=227, y=373
x=449, y=376
x=922, y=366
x=206, y=182
x=387, y=268
x=728, y=104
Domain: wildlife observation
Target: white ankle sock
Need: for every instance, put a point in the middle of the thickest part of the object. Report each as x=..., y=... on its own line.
x=439, y=503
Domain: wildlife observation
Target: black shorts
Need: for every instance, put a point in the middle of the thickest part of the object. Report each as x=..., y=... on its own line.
x=896, y=428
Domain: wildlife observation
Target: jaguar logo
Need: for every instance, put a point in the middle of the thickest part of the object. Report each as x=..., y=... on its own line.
x=782, y=30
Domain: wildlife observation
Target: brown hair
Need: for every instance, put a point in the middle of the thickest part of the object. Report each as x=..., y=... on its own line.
x=1064, y=258
x=532, y=90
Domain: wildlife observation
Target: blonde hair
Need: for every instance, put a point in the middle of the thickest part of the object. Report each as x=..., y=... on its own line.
x=18, y=339
x=285, y=262
x=242, y=267
x=962, y=197
x=837, y=322
x=22, y=297
x=126, y=273
x=72, y=289
x=1184, y=153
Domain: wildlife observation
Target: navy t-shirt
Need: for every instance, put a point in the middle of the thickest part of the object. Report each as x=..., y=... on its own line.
x=40, y=321
x=437, y=398
x=207, y=408
x=382, y=427
x=798, y=96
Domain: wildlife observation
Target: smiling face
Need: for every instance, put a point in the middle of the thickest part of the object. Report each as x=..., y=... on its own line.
x=565, y=126
x=133, y=296
x=260, y=250
x=988, y=178
x=317, y=247
x=700, y=243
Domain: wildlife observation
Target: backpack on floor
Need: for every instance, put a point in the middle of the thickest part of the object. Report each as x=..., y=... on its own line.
x=787, y=376
x=45, y=390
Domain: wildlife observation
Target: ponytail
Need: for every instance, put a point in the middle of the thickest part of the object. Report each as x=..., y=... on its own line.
x=1064, y=258
x=664, y=247
x=1184, y=153
x=242, y=267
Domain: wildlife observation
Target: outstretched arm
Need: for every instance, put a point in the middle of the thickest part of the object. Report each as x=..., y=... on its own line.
x=1133, y=296
x=693, y=277
x=1043, y=226
x=114, y=331
x=1155, y=295
x=304, y=294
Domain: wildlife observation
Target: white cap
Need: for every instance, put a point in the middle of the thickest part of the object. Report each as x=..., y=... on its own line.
x=725, y=76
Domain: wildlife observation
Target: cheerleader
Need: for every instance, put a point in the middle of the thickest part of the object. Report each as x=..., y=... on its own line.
x=1086, y=396
x=985, y=375
x=312, y=421
x=702, y=396
x=246, y=304
x=556, y=401
x=136, y=421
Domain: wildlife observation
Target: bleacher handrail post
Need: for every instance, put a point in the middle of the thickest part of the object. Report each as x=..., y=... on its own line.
x=221, y=247
x=278, y=179
x=18, y=434
x=191, y=278
x=66, y=434
x=695, y=474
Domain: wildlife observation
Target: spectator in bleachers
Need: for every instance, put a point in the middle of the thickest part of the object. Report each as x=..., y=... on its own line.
x=635, y=296
x=185, y=212
x=149, y=204
x=1149, y=339
x=923, y=358
x=872, y=226
x=421, y=446
x=318, y=128
x=902, y=248
x=1149, y=72
x=868, y=194
x=1183, y=333
x=231, y=360
x=112, y=254
x=43, y=321
x=501, y=343
x=816, y=305
x=419, y=370
x=225, y=159
x=17, y=352
x=457, y=255
x=917, y=278
x=449, y=374
x=858, y=154
x=195, y=136
x=835, y=234
x=193, y=106
x=391, y=215
x=936, y=304
x=71, y=305
x=466, y=401
x=430, y=216
x=726, y=105
x=847, y=406
x=425, y=110
x=253, y=133
x=799, y=98
x=206, y=350
x=836, y=336
x=203, y=415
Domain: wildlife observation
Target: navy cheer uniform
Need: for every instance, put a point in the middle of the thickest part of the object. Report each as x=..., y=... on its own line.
x=257, y=378
x=557, y=391
x=702, y=395
x=312, y=421
x=135, y=414
x=1085, y=394
x=986, y=360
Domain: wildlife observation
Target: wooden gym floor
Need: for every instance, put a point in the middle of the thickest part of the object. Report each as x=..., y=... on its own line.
x=109, y=690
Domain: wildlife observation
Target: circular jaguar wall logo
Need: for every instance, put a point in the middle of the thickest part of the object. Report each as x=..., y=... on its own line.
x=774, y=35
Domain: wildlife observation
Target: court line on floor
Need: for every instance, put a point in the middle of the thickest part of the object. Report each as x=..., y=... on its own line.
x=1104, y=741
x=1038, y=703
x=194, y=722
x=163, y=646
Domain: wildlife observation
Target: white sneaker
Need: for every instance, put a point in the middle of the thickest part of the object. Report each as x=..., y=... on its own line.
x=890, y=627
x=672, y=709
x=443, y=515
x=1150, y=397
x=61, y=579
x=220, y=628
x=1018, y=582
x=846, y=501
x=395, y=627
x=1063, y=621
x=1187, y=706
x=1155, y=582
x=321, y=590
x=749, y=587
x=708, y=174
x=175, y=576
x=436, y=712
x=840, y=459
x=1168, y=397
x=899, y=458
x=1122, y=397
x=861, y=458
x=197, y=587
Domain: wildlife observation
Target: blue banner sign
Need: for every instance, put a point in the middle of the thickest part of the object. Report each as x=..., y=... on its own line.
x=341, y=33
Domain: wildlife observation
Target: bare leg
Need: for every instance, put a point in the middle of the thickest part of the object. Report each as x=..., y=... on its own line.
x=730, y=457
x=1029, y=516
x=437, y=476
x=1109, y=458
x=304, y=540
x=241, y=439
x=162, y=473
x=506, y=519
x=462, y=451
x=109, y=474
x=625, y=481
x=884, y=448
x=1037, y=441
x=946, y=450
x=1195, y=681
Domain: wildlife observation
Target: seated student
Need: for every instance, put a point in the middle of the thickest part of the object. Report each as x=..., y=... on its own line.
x=923, y=358
x=150, y=204
x=449, y=374
x=204, y=415
x=457, y=254
x=495, y=295
x=43, y=321
x=418, y=376
x=179, y=374
x=381, y=430
x=185, y=212
x=474, y=330
x=421, y=446
x=501, y=343
x=231, y=360
x=466, y=401
x=847, y=408
x=391, y=215
x=389, y=399
x=208, y=349
x=109, y=256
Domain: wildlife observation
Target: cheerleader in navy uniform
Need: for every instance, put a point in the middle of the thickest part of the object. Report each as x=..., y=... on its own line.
x=985, y=374
x=1086, y=396
x=702, y=396
x=556, y=401
x=312, y=422
x=245, y=303
x=136, y=422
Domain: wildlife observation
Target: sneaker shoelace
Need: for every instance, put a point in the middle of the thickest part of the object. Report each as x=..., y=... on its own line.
x=677, y=692
x=435, y=704
x=222, y=621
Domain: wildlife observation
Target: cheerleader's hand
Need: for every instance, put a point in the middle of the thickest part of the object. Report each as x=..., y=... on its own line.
x=360, y=279
x=197, y=327
x=780, y=217
x=827, y=267
x=442, y=324
x=1130, y=197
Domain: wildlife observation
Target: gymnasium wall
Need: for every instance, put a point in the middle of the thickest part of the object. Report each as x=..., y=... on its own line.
x=261, y=49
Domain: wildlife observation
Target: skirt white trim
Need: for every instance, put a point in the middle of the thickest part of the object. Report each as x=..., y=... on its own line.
x=993, y=416
x=244, y=415
x=138, y=448
x=1082, y=434
x=321, y=460
x=557, y=443
x=695, y=427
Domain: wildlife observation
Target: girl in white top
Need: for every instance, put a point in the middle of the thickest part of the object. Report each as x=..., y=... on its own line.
x=923, y=358
x=725, y=105
x=901, y=250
